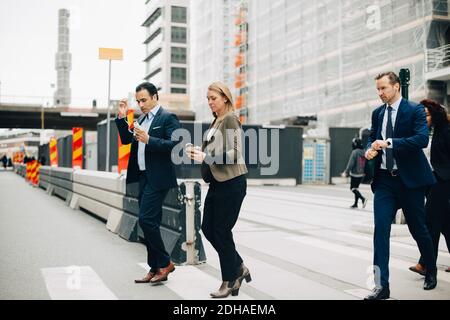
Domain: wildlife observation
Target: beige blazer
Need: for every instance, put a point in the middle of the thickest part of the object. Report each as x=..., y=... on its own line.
x=224, y=148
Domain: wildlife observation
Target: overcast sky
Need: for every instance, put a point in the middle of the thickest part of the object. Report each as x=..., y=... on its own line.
x=28, y=43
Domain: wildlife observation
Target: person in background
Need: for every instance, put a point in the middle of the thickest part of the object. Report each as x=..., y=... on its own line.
x=4, y=161
x=438, y=199
x=355, y=168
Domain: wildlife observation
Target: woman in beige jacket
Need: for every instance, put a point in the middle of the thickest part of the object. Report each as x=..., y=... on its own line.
x=223, y=167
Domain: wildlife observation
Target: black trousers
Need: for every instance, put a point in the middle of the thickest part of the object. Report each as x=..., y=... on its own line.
x=150, y=215
x=438, y=214
x=220, y=213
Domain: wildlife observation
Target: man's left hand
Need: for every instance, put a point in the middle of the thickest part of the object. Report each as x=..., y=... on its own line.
x=141, y=135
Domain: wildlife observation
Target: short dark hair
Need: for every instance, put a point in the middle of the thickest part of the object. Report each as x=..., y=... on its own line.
x=437, y=112
x=150, y=87
x=392, y=76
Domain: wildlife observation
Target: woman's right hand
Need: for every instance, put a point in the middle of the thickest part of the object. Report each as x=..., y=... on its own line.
x=123, y=108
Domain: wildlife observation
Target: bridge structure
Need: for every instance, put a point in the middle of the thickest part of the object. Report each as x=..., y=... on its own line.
x=36, y=116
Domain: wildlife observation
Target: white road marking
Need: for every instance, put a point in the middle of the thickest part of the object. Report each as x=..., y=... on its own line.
x=358, y=253
x=75, y=283
x=191, y=283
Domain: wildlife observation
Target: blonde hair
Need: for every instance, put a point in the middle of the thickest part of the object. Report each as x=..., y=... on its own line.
x=225, y=92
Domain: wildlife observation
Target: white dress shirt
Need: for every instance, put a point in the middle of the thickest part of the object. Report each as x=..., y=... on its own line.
x=145, y=126
x=394, y=113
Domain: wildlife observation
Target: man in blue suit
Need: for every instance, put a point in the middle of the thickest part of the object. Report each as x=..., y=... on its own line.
x=150, y=164
x=402, y=173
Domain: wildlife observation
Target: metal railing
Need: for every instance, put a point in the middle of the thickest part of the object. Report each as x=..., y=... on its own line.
x=437, y=58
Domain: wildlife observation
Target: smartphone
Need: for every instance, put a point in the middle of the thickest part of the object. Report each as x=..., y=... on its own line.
x=137, y=125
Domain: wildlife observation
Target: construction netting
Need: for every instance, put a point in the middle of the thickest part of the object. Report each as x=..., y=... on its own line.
x=316, y=57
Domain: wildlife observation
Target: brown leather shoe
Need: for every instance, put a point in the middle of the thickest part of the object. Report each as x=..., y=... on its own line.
x=418, y=268
x=146, y=279
x=162, y=274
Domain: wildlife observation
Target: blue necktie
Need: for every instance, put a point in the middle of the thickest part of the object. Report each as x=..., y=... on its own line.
x=389, y=134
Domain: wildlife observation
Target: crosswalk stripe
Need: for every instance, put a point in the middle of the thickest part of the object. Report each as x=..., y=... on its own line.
x=357, y=253
x=369, y=238
x=295, y=197
x=191, y=283
x=75, y=283
x=280, y=283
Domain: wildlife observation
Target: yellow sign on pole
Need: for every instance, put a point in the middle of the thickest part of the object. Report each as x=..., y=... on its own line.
x=110, y=54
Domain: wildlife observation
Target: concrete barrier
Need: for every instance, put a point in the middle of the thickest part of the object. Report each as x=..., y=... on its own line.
x=101, y=193
x=180, y=225
x=61, y=180
x=20, y=169
x=45, y=178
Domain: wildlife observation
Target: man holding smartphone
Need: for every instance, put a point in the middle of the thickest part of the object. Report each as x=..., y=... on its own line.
x=150, y=164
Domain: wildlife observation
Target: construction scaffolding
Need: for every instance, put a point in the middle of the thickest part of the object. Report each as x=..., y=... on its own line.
x=240, y=61
x=212, y=52
x=321, y=57
x=316, y=59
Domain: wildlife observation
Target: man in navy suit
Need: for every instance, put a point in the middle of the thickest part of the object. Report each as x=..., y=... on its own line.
x=150, y=164
x=402, y=173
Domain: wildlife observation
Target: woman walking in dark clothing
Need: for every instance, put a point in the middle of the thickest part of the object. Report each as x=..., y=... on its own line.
x=223, y=167
x=355, y=168
x=438, y=199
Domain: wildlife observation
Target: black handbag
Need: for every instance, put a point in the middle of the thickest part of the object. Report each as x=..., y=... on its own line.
x=206, y=172
x=369, y=170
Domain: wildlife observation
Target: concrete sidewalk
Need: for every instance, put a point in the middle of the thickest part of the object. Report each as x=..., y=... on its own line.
x=297, y=242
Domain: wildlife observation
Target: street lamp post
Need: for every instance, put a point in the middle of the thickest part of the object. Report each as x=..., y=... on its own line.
x=404, y=80
x=109, y=54
x=108, y=116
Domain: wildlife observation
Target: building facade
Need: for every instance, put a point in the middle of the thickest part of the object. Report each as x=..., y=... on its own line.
x=319, y=58
x=63, y=61
x=167, y=51
x=211, y=50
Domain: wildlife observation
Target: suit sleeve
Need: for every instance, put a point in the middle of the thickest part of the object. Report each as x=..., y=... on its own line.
x=419, y=139
x=373, y=129
x=165, y=144
x=126, y=137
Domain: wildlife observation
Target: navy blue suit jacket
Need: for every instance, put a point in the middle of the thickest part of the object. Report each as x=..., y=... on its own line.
x=158, y=163
x=409, y=138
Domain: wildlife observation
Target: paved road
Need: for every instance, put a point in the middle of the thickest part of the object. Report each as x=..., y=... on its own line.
x=297, y=241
